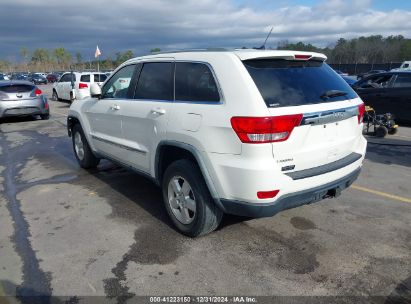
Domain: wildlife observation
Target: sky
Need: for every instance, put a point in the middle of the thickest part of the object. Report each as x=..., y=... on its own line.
x=140, y=25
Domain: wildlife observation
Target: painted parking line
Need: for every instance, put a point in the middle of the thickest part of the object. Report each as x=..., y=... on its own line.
x=383, y=194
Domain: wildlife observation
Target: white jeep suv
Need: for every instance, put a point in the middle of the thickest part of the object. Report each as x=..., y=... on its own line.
x=245, y=132
x=76, y=85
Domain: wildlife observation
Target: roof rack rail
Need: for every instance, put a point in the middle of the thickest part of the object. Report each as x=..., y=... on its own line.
x=192, y=50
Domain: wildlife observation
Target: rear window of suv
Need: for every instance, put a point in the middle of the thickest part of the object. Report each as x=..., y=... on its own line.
x=99, y=77
x=85, y=78
x=292, y=83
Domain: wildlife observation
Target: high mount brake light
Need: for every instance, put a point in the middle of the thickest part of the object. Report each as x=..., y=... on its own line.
x=302, y=57
x=361, y=111
x=258, y=130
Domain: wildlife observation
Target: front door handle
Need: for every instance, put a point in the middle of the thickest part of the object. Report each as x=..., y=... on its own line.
x=158, y=111
x=115, y=107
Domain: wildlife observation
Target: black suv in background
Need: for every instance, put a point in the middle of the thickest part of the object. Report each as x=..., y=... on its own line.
x=388, y=92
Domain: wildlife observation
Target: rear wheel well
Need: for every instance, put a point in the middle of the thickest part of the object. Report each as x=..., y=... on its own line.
x=168, y=154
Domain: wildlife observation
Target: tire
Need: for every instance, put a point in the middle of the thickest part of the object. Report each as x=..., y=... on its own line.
x=45, y=116
x=393, y=131
x=381, y=131
x=86, y=158
x=55, y=96
x=206, y=217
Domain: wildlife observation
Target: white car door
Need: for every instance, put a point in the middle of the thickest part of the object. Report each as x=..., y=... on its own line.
x=145, y=117
x=104, y=116
x=59, y=86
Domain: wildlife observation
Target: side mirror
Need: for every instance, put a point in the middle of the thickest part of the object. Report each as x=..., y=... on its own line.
x=95, y=90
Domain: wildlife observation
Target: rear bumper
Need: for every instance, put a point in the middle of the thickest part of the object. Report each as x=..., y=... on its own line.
x=291, y=200
x=27, y=107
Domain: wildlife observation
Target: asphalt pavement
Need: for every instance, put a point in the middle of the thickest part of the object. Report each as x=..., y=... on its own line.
x=65, y=231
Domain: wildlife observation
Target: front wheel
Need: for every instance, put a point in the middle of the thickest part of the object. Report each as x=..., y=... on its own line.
x=82, y=151
x=188, y=201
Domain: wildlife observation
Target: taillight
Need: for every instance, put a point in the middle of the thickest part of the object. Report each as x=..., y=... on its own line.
x=267, y=194
x=361, y=111
x=257, y=130
x=82, y=85
x=38, y=92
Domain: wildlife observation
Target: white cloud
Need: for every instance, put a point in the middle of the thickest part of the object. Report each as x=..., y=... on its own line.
x=141, y=25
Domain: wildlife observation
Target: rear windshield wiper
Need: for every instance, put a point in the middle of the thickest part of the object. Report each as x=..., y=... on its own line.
x=333, y=93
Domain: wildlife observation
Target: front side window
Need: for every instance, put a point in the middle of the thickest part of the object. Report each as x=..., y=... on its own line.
x=64, y=78
x=156, y=81
x=195, y=82
x=117, y=86
x=71, y=78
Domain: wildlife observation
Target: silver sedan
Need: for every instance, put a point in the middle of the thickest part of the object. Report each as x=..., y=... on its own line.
x=22, y=98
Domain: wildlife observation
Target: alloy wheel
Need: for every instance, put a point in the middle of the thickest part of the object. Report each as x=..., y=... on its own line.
x=181, y=200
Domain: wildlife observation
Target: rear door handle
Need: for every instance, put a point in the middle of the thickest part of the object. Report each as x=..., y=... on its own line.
x=158, y=111
x=115, y=107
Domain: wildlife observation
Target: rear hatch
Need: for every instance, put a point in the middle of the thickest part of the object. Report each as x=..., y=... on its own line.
x=325, y=111
x=18, y=91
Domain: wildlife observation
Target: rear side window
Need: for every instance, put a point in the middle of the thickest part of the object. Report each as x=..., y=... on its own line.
x=99, y=77
x=155, y=81
x=195, y=82
x=402, y=81
x=85, y=78
x=292, y=83
x=17, y=88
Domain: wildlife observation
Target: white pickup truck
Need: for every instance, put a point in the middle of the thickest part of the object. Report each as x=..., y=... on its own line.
x=405, y=66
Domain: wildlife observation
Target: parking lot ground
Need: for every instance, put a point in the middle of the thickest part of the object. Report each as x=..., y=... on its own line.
x=65, y=231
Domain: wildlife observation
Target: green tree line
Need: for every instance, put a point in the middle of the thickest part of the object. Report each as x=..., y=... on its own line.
x=370, y=49
x=59, y=59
